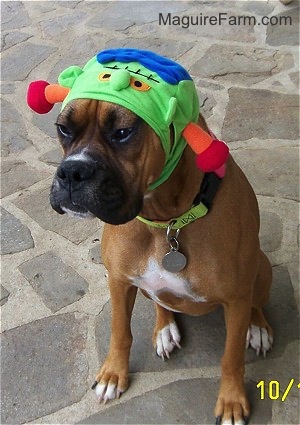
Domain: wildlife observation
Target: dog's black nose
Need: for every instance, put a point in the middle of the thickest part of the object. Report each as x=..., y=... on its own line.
x=75, y=172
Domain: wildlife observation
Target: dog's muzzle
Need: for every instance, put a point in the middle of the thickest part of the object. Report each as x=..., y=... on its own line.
x=84, y=189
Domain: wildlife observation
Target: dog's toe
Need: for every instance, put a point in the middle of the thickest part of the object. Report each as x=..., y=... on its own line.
x=167, y=339
x=106, y=392
x=218, y=420
x=259, y=339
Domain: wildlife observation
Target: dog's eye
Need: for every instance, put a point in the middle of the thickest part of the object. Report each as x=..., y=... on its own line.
x=122, y=135
x=63, y=131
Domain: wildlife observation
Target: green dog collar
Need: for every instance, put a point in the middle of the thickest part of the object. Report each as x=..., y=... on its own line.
x=201, y=205
x=188, y=217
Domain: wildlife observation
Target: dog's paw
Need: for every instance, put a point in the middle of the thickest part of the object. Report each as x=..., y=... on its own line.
x=229, y=421
x=112, y=379
x=106, y=392
x=232, y=406
x=167, y=339
x=259, y=339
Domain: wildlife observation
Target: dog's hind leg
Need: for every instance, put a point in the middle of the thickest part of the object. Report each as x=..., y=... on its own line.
x=260, y=334
x=166, y=335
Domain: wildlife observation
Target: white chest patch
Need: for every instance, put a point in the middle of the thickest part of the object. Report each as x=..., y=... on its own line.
x=155, y=279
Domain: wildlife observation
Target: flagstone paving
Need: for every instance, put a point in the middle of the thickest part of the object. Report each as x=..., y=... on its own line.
x=54, y=296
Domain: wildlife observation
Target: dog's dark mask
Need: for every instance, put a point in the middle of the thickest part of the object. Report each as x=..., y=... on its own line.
x=102, y=172
x=83, y=187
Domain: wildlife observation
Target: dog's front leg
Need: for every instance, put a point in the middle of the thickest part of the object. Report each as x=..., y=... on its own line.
x=232, y=404
x=112, y=379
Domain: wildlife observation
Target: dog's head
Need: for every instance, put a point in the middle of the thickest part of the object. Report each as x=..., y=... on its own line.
x=117, y=118
x=111, y=157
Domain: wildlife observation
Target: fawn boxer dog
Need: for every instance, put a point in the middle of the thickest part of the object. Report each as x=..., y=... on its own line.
x=181, y=218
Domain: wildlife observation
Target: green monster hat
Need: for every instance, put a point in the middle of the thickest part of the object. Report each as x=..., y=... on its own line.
x=155, y=88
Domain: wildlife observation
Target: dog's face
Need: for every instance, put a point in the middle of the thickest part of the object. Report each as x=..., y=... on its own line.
x=108, y=161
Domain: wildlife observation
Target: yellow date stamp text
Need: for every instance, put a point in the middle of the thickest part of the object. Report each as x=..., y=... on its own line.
x=274, y=391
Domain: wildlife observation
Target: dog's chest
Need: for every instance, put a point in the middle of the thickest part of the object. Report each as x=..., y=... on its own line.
x=155, y=280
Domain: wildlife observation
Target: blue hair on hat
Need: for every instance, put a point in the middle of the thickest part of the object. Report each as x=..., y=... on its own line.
x=168, y=70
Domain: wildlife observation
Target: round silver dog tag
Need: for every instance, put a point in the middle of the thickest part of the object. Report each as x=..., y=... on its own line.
x=174, y=261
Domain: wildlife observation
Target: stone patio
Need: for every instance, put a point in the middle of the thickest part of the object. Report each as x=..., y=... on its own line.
x=54, y=295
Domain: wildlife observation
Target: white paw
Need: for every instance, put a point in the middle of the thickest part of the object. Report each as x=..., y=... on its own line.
x=229, y=422
x=106, y=392
x=167, y=339
x=259, y=339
